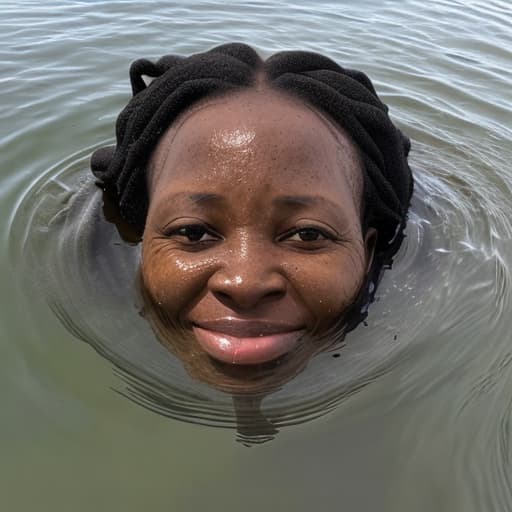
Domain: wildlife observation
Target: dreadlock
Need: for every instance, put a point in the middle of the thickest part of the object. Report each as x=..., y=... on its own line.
x=346, y=96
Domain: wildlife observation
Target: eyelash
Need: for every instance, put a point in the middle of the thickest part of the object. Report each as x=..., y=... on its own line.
x=182, y=233
x=307, y=229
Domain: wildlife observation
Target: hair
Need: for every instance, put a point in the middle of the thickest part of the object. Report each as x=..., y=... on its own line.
x=346, y=96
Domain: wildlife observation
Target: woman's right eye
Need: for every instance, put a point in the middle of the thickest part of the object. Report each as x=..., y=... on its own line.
x=194, y=233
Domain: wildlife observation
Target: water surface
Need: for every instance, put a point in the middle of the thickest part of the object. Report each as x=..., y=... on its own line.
x=415, y=412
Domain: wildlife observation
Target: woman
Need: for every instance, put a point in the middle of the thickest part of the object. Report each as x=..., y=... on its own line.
x=269, y=195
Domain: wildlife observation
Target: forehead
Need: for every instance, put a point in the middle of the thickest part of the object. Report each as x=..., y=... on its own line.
x=256, y=135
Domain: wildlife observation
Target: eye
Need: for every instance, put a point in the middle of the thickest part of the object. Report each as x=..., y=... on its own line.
x=307, y=234
x=193, y=233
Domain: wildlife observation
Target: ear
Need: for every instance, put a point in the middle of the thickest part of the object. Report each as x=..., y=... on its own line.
x=370, y=242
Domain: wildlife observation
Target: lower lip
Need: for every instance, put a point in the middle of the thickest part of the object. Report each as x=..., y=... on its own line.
x=250, y=350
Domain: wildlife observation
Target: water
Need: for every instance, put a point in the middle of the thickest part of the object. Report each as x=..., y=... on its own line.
x=415, y=412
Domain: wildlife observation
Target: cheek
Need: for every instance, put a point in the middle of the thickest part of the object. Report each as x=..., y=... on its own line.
x=172, y=281
x=328, y=284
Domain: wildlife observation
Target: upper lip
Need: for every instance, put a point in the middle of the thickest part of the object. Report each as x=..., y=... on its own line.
x=247, y=328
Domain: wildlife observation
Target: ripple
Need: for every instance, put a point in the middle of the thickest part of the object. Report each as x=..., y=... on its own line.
x=432, y=366
x=59, y=226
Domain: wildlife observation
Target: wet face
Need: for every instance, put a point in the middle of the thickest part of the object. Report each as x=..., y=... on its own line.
x=253, y=237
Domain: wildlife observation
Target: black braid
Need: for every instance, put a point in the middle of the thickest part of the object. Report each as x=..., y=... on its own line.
x=346, y=96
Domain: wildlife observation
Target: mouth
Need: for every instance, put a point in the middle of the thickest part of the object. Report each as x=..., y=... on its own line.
x=246, y=342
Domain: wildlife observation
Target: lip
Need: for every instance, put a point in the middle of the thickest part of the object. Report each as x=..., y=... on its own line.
x=246, y=342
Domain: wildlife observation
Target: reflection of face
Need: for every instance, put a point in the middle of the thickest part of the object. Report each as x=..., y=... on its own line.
x=253, y=235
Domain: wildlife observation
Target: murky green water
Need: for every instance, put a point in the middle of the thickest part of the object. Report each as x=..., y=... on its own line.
x=414, y=414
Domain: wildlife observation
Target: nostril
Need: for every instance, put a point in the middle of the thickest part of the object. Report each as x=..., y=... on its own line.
x=274, y=294
x=247, y=291
x=223, y=296
x=247, y=298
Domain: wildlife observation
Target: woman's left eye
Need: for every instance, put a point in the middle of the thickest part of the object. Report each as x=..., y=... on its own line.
x=307, y=235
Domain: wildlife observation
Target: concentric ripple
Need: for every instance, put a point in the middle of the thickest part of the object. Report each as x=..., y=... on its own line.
x=414, y=409
x=69, y=254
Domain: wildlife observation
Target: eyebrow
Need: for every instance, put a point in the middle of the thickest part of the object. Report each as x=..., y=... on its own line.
x=285, y=201
x=197, y=197
x=298, y=201
x=205, y=197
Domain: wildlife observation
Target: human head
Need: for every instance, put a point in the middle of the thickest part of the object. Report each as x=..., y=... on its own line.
x=345, y=98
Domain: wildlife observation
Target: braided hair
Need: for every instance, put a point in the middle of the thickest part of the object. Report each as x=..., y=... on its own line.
x=346, y=96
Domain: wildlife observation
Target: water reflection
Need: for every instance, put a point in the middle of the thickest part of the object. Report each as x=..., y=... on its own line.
x=239, y=379
x=430, y=425
x=247, y=384
x=65, y=223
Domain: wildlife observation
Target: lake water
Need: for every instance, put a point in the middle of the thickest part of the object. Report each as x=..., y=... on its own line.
x=414, y=414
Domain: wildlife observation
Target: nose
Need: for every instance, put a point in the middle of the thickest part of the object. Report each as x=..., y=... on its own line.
x=247, y=280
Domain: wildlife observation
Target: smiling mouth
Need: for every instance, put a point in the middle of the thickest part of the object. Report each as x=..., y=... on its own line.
x=246, y=343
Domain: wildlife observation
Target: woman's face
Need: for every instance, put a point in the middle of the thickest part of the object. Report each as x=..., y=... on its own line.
x=253, y=236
